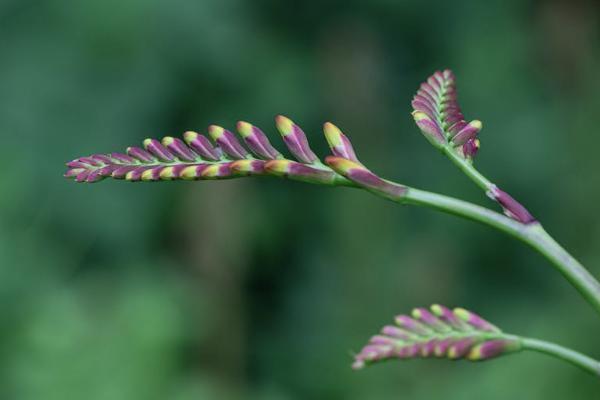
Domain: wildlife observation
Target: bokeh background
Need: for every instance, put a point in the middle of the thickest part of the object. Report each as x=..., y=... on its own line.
x=262, y=289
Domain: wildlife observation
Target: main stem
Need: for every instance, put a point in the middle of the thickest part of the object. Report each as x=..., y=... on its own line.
x=580, y=360
x=533, y=234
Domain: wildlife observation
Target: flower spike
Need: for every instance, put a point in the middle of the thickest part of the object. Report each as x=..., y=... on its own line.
x=438, y=332
x=439, y=117
x=196, y=158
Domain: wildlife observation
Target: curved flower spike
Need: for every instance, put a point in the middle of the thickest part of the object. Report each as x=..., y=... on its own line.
x=455, y=334
x=438, y=332
x=439, y=117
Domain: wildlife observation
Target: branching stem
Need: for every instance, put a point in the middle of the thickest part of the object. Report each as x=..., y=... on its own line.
x=532, y=234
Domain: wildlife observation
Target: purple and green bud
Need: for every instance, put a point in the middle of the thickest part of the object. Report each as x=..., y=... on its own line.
x=228, y=142
x=179, y=149
x=468, y=132
x=338, y=142
x=438, y=332
x=159, y=151
x=295, y=140
x=300, y=172
x=427, y=318
x=121, y=158
x=201, y=145
x=475, y=320
x=140, y=154
x=152, y=174
x=429, y=128
x=257, y=141
x=248, y=167
x=449, y=318
x=493, y=348
x=358, y=174
x=511, y=207
x=471, y=148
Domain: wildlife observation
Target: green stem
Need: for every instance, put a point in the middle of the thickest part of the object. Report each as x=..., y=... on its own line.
x=535, y=235
x=532, y=234
x=580, y=360
x=466, y=167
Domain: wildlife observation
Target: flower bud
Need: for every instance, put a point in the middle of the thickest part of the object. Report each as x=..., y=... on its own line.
x=469, y=132
x=227, y=141
x=201, y=145
x=338, y=142
x=429, y=128
x=295, y=140
x=257, y=141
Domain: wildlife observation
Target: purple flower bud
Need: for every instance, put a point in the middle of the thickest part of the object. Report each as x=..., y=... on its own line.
x=192, y=172
x=121, y=172
x=77, y=164
x=475, y=320
x=446, y=315
x=427, y=318
x=381, y=340
x=257, y=141
x=248, y=167
x=512, y=208
x=493, y=348
x=140, y=154
x=441, y=347
x=217, y=171
x=135, y=175
x=338, y=142
x=227, y=141
x=123, y=158
x=174, y=172
x=82, y=175
x=202, y=146
x=295, y=140
x=179, y=149
x=363, y=177
x=420, y=103
x=102, y=159
x=397, y=333
x=153, y=174
x=90, y=161
x=460, y=348
x=411, y=325
x=156, y=148
x=471, y=148
x=469, y=132
x=300, y=172
x=432, y=131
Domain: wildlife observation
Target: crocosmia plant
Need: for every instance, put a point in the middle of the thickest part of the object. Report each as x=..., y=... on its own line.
x=437, y=332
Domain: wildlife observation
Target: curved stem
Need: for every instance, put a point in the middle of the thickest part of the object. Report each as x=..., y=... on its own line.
x=466, y=167
x=578, y=359
x=532, y=234
x=535, y=235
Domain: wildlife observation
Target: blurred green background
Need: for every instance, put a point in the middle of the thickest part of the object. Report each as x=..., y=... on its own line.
x=261, y=289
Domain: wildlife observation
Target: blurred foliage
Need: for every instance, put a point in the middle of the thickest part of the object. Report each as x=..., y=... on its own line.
x=261, y=289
